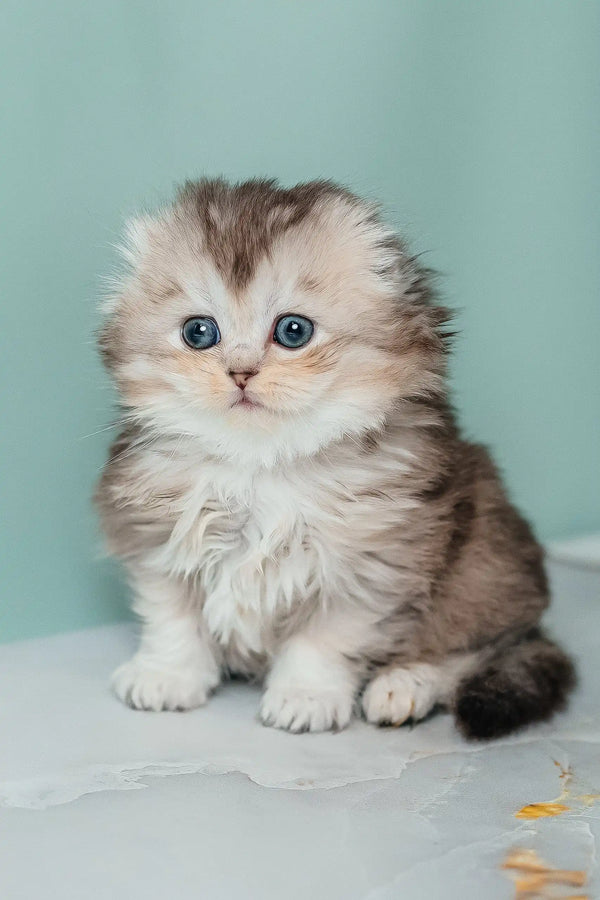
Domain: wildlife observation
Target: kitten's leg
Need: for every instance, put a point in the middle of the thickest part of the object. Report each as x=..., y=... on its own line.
x=175, y=666
x=399, y=693
x=311, y=687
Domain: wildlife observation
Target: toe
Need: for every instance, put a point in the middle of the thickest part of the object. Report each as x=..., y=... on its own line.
x=297, y=710
x=401, y=694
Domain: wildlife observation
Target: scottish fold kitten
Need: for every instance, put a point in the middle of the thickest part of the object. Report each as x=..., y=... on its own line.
x=289, y=492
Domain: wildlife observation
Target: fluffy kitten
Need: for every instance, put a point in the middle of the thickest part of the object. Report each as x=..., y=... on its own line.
x=289, y=492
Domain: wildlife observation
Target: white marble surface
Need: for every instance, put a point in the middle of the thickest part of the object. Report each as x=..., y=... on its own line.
x=582, y=551
x=98, y=801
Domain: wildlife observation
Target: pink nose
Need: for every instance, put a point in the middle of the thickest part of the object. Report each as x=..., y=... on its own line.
x=242, y=378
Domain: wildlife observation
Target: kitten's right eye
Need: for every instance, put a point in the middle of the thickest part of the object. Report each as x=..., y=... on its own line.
x=200, y=333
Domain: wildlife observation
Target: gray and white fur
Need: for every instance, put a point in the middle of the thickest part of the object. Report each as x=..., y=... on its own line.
x=310, y=517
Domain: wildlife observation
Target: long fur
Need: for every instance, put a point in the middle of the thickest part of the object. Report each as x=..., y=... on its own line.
x=337, y=537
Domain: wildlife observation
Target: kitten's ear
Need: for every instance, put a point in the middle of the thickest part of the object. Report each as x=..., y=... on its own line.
x=134, y=246
x=137, y=237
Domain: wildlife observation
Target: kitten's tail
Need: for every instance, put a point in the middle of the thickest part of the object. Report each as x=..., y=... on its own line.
x=524, y=682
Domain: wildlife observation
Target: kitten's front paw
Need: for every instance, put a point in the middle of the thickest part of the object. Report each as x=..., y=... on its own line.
x=401, y=694
x=302, y=709
x=143, y=686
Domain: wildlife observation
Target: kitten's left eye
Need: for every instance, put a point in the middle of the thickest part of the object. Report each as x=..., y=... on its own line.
x=293, y=331
x=200, y=333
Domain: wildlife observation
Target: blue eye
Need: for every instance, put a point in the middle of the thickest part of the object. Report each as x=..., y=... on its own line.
x=200, y=333
x=293, y=331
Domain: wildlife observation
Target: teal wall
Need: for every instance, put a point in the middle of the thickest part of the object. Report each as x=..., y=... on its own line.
x=478, y=125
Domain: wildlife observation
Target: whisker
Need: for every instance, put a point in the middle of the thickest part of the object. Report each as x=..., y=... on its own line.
x=84, y=437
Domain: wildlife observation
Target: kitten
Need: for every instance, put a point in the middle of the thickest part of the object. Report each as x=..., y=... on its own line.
x=289, y=492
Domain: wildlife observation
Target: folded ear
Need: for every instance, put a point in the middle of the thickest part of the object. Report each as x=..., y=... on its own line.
x=135, y=244
x=137, y=236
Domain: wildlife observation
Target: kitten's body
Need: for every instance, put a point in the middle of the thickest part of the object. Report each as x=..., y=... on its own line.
x=343, y=532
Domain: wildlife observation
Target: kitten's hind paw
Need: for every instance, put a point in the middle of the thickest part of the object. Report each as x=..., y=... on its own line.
x=143, y=686
x=400, y=694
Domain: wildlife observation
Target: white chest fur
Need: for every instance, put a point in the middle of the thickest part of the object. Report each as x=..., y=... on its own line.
x=257, y=543
x=251, y=543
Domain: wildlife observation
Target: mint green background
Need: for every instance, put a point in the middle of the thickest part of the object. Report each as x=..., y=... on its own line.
x=476, y=123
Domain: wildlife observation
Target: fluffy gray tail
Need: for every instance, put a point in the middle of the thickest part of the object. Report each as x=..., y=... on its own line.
x=525, y=682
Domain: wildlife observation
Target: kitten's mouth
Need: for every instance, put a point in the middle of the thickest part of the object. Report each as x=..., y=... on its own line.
x=246, y=402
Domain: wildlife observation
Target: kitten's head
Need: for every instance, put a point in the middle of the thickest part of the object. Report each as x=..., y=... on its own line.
x=269, y=322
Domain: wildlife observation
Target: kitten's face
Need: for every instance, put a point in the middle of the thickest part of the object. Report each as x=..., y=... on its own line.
x=266, y=323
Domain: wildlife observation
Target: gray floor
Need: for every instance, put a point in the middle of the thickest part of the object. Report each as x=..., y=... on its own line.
x=98, y=801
